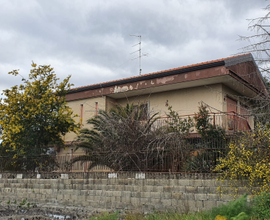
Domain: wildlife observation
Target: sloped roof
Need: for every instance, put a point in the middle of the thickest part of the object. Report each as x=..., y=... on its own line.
x=241, y=68
x=219, y=62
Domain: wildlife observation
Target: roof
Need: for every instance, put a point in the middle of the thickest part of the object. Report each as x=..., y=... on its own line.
x=199, y=66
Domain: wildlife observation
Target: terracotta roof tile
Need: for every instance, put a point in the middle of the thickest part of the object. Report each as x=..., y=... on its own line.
x=178, y=68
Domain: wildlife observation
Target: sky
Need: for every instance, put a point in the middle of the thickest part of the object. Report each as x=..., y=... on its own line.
x=93, y=41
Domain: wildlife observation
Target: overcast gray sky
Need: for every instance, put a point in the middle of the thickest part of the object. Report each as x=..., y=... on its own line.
x=90, y=39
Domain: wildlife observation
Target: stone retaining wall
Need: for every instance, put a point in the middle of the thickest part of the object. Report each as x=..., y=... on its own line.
x=124, y=191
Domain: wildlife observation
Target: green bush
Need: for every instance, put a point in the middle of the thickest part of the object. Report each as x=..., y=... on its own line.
x=261, y=205
x=233, y=208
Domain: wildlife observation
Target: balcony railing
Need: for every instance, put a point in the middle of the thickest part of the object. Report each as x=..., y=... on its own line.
x=229, y=121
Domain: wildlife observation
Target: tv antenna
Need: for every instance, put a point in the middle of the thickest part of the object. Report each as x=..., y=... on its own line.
x=140, y=52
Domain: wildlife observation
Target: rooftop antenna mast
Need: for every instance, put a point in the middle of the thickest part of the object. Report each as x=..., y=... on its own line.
x=140, y=52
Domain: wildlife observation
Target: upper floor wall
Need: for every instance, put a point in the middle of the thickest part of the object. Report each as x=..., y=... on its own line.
x=214, y=83
x=85, y=109
x=184, y=101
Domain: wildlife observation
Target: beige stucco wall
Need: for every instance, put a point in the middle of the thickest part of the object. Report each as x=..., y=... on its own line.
x=184, y=101
x=110, y=102
x=89, y=110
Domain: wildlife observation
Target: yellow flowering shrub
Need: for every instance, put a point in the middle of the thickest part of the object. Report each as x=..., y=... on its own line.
x=34, y=115
x=248, y=161
x=220, y=217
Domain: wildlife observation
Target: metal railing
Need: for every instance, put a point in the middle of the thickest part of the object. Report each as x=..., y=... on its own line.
x=65, y=164
x=196, y=155
x=229, y=121
x=195, y=161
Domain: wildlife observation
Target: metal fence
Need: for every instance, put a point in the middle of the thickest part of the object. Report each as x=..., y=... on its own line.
x=198, y=155
x=193, y=155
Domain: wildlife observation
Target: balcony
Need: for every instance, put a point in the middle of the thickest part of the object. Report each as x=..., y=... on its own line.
x=229, y=121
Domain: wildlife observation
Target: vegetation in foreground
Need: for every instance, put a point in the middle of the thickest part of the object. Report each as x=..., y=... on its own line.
x=240, y=209
x=247, y=161
x=34, y=119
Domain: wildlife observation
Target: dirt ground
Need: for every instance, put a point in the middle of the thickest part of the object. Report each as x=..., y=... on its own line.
x=42, y=213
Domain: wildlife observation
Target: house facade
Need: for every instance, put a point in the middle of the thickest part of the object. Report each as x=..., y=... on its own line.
x=223, y=85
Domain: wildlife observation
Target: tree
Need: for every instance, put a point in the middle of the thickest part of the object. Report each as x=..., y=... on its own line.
x=259, y=46
x=259, y=42
x=34, y=117
x=122, y=139
x=248, y=159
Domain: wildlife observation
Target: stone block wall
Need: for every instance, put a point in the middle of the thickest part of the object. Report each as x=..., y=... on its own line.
x=123, y=191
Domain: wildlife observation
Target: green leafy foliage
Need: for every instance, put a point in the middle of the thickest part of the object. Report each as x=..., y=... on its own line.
x=212, y=143
x=122, y=139
x=34, y=116
x=178, y=216
x=201, y=162
x=261, y=205
x=241, y=216
x=233, y=208
x=204, y=126
x=177, y=124
x=154, y=216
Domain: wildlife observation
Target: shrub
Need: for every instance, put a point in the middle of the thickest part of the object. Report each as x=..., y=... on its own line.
x=204, y=126
x=121, y=139
x=248, y=160
x=233, y=208
x=261, y=205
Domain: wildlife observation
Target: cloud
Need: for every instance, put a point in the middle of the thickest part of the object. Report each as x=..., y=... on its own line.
x=91, y=41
